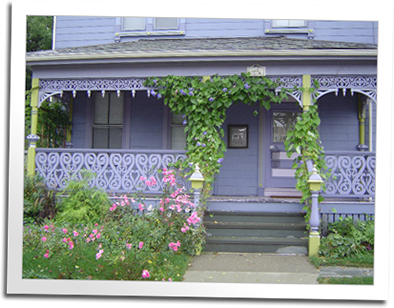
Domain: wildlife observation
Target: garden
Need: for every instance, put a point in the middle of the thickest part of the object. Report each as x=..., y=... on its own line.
x=81, y=233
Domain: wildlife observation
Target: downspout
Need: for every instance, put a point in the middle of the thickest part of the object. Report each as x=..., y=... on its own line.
x=370, y=124
x=54, y=33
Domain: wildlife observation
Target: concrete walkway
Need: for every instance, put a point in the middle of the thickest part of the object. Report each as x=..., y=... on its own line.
x=263, y=268
x=252, y=268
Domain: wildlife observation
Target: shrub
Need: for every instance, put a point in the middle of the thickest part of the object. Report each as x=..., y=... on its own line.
x=38, y=200
x=132, y=241
x=80, y=203
x=347, y=237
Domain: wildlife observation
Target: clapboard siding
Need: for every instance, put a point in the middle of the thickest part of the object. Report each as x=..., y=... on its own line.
x=239, y=172
x=72, y=31
x=79, y=120
x=339, y=122
x=146, y=131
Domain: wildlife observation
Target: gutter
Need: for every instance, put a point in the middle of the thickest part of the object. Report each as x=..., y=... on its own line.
x=331, y=53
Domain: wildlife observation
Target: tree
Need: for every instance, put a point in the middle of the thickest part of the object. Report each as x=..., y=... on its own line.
x=39, y=31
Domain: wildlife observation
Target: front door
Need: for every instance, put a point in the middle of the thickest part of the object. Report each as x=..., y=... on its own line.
x=280, y=174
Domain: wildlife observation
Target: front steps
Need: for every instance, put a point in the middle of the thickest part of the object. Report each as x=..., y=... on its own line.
x=255, y=231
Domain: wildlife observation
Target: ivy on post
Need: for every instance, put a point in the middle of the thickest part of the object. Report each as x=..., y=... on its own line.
x=33, y=138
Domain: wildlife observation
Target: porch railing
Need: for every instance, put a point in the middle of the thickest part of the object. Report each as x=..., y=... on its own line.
x=352, y=174
x=117, y=171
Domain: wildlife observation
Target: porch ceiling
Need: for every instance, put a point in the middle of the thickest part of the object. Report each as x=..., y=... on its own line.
x=151, y=49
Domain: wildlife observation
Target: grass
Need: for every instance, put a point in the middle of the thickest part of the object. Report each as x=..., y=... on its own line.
x=353, y=280
x=363, y=260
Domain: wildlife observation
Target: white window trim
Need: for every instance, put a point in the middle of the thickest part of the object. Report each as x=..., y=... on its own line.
x=307, y=29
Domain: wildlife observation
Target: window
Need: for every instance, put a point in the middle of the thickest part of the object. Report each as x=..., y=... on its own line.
x=282, y=122
x=166, y=23
x=288, y=27
x=148, y=26
x=133, y=24
x=178, y=136
x=288, y=23
x=107, y=121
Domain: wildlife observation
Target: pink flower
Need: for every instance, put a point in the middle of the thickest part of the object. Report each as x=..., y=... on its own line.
x=129, y=246
x=161, y=209
x=193, y=219
x=145, y=274
x=174, y=246
x=64, y=230
x=75, y=233
x=99, y=254
x=149, y=183
x=44, y=239
x=183, y=230
x=142, y=178
x=94, y=231
x=98, y=235
x=141, y=207
x=70, y=245
x=113, y=207
x=140, y=245
x=46, y=228
x=65, y=240
x=47, y=254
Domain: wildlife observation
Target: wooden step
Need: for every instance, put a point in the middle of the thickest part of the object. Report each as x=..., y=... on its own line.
x=253, y=244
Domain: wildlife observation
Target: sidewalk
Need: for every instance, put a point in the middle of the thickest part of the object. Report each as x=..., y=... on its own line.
x=262, y=268
x=251, y=268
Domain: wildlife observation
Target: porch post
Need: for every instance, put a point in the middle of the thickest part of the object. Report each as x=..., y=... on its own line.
x=314, y=182
x=306, y=95
x=361, y=118
x=33, y=138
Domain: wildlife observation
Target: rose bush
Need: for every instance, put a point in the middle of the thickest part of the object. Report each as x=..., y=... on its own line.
x=133, y=240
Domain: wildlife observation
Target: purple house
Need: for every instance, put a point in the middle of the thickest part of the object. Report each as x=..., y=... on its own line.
x=121, y=132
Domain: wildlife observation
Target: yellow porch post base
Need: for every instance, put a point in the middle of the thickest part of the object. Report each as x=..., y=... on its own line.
x=31, y=158
x=314, y=243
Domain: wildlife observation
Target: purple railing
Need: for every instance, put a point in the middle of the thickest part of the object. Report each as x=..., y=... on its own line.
x=117, y=171
x=352, y=174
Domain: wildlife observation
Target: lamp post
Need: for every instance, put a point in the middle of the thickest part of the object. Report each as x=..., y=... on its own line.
x=197, y=180
x=314, y=182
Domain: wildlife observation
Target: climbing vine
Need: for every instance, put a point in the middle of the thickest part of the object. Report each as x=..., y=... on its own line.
x=304, y=140
x=203, y=103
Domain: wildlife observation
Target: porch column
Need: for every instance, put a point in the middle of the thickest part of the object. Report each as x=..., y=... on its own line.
x=33, y=138
x=306, y=95
x=361, y=120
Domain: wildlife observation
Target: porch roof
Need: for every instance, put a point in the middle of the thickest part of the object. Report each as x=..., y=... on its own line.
x=205, y=47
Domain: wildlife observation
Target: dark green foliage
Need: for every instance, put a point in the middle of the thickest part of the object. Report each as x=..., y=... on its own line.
x=347, y=238
x=53, y=123
x=80, y=203
x=38, y=200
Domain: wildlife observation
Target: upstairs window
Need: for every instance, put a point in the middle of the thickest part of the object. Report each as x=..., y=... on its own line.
x=148, y=26
x=166, y=23
x=133, y=23
x=288, y=24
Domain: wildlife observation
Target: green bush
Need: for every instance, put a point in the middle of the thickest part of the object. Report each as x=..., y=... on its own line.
x=38, y=200
x=80, y=203
x=347, y=237
x=133, y=240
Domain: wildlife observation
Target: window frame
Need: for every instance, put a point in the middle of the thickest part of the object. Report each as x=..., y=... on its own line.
x=149, y=30
x=307, y=28
x=108, y=126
